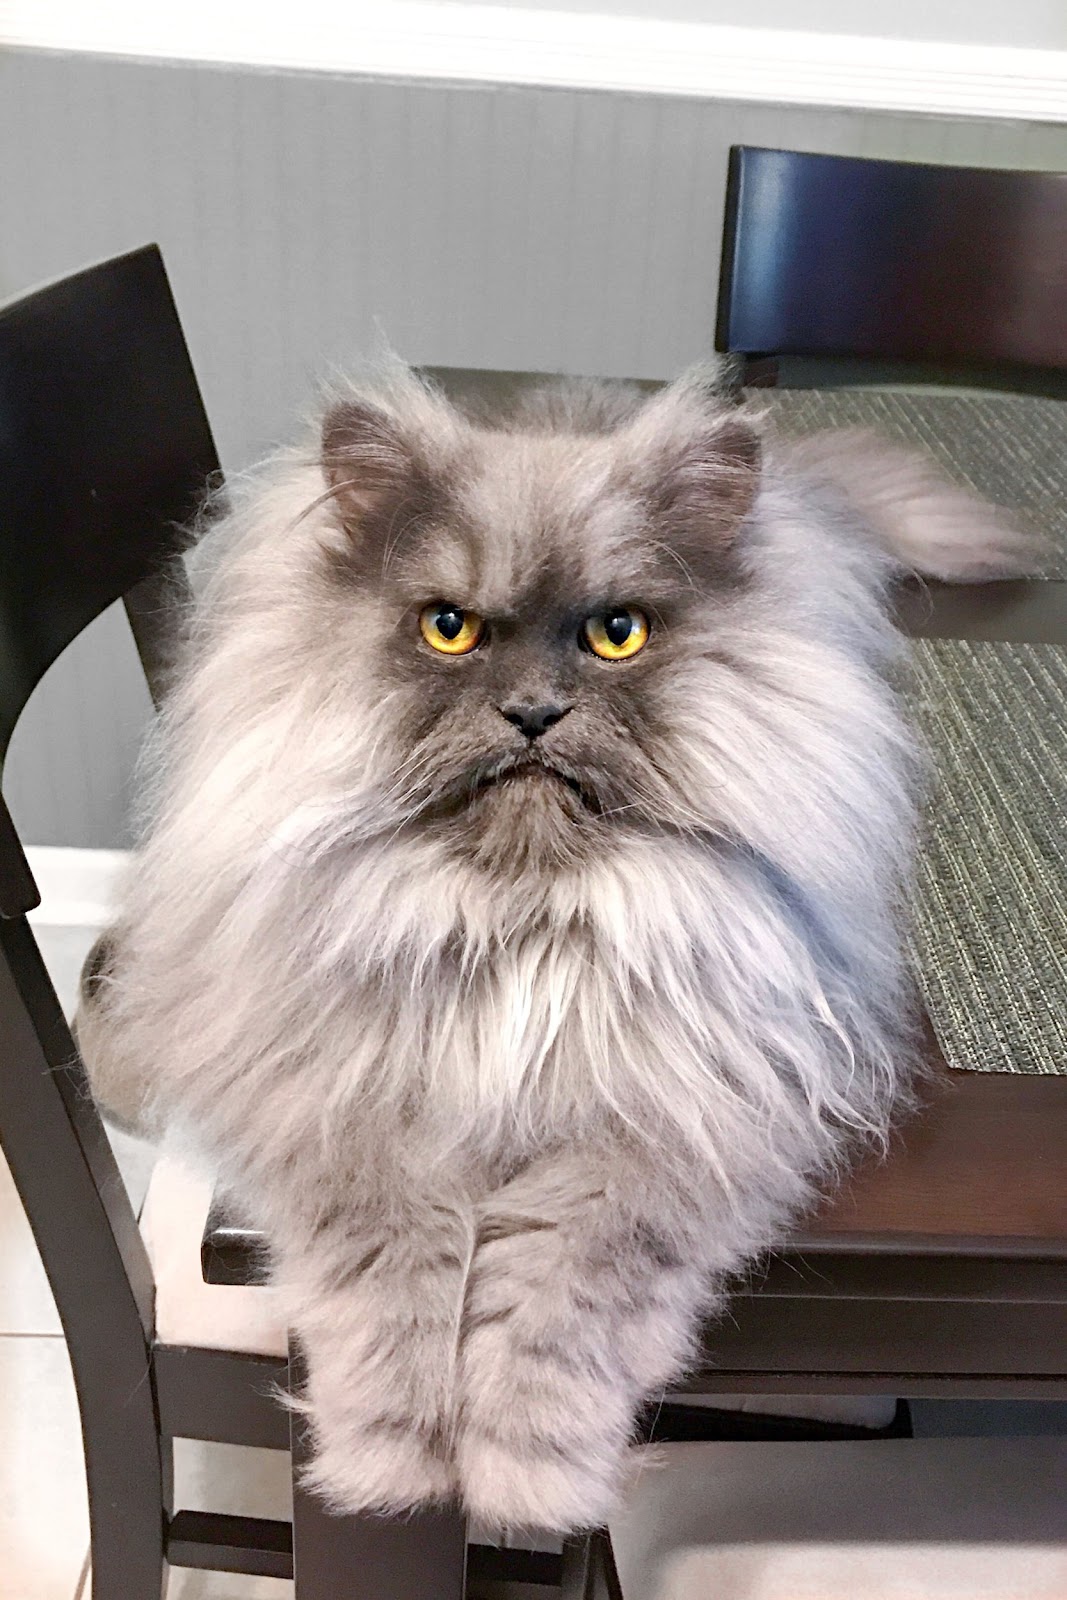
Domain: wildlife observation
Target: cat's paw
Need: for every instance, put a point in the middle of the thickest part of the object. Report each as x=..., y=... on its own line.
x=378, y=1399
x=545, y=1413
x=387, y=1470
x=511, y=1486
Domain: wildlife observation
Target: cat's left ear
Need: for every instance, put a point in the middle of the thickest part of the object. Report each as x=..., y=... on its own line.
x=368, y=462
x=697, y=462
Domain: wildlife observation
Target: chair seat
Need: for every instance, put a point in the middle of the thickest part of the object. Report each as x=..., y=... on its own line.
x=916, y=1519
x=190, y=1312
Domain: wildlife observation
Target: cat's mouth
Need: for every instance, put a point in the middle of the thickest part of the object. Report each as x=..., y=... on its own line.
x=541, y=775
x=533, y=776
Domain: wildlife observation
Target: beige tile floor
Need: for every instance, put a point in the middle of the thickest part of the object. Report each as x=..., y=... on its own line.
x=44, y=1523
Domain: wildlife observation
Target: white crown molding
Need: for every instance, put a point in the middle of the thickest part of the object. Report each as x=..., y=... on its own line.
x=464, y=43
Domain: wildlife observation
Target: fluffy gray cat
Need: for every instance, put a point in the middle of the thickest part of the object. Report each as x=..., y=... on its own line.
x=517, y=926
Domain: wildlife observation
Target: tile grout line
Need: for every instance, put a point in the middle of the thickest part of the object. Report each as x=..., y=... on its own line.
x=22, y=1334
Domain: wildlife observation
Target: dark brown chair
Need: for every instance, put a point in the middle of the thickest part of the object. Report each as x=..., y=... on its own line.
x=104, y=452
x=952, y=273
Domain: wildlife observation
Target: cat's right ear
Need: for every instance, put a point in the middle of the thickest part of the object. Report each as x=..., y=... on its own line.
x=368, y=464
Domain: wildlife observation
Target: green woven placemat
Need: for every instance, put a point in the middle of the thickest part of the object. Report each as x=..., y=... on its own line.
x=990, y=928
x=989, y=934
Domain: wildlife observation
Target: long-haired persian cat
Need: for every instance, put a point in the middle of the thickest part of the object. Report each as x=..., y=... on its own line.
x=518, y=922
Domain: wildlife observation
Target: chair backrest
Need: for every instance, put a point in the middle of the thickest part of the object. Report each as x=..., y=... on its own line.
x=104, y=452
x=958, y=269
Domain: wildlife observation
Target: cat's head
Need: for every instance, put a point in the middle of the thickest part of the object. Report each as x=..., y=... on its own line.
x=537, y=597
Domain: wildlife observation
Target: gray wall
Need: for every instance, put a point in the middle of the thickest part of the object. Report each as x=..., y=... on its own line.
x=300, y=215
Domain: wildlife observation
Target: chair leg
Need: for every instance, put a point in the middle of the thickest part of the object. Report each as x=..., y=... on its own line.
x=376, y=1558
x=419, y=1557
x=589, y=1569
x=128, y=1511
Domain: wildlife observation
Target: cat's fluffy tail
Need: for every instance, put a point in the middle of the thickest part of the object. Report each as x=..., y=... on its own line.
x=930, y=524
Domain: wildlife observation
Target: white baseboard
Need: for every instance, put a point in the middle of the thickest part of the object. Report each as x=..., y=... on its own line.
x=463, y=43
x=78, y=887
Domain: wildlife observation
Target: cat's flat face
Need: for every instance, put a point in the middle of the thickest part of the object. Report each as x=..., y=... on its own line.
x=540, y=594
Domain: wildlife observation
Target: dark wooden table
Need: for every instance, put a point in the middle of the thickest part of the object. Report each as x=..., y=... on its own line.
x=942, y=1270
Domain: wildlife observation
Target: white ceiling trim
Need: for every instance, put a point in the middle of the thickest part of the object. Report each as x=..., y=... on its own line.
x=453, y=42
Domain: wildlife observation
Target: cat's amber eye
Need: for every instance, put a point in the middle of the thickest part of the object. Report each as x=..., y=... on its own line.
x=450, y=629
x=616, y=635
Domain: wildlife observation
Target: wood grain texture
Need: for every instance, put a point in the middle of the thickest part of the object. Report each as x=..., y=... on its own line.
x=982, y=1169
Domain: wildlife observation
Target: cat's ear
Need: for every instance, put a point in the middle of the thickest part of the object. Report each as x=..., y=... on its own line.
x=369, y=464
x=697, y=461
x=711, y=478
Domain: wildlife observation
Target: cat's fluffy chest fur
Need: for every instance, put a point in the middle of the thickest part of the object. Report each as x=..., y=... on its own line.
x=518, y=1037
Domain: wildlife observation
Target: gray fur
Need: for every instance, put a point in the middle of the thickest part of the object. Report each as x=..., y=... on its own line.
x=519, y=1051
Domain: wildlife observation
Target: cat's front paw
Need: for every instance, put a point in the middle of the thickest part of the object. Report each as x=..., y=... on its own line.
x=508, y=1484
x=380, y=1468
x=545, y=1414
x=378, y=1396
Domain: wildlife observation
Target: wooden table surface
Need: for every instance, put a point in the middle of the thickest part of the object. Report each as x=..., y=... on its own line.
x=942, y=1269
x=981, y=1169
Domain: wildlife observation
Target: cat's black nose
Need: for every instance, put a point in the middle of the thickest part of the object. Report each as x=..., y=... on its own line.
x=533, y=720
